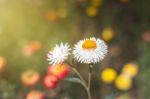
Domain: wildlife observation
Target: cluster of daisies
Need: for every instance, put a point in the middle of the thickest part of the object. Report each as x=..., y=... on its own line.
x=89, y=50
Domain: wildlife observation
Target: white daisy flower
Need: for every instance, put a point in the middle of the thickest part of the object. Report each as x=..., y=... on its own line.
x=90, y=50
x=59, y=54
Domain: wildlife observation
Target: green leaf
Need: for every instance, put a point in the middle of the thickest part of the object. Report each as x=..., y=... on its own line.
x=74, y=79
x=113, y=95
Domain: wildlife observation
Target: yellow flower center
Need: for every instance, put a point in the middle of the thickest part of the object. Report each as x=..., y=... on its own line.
x=89, y=44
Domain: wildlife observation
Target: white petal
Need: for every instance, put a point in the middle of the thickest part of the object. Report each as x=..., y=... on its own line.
x=59, y=54
x=90, y=56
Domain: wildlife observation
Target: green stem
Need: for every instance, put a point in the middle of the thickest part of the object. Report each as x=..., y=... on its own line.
x=89, y=80
x=90, y=74
x=83, y=83
x=89, y=94
x=81, y=78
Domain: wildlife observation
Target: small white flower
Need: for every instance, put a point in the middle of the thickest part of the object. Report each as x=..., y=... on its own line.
x=59, y=54
x=90, y=50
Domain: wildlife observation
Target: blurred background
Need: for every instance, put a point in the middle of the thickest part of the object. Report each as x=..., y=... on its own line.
x=30, y=28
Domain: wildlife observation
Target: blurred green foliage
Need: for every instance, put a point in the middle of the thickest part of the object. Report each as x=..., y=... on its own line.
x=23, y=21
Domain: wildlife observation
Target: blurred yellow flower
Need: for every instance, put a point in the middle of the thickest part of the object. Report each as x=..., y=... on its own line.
x=130, y=69
x=96, y=3
x=123, y=82
x=91, y=11
x=107, y=34
x=108, y=75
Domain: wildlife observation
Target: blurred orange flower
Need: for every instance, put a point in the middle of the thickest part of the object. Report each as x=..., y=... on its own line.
x=32, y=47
x=35, y=95
x=51, y=16
x=59, y=70
x=2, y=63
x=30, y=77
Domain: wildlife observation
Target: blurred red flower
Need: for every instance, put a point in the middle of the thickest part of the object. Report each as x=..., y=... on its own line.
x=59, y=70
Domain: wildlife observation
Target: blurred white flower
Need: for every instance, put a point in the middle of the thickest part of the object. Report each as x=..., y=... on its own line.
x=59, y=54
x=90, y=50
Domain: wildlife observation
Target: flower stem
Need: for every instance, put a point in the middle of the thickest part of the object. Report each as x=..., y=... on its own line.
x=90, y=74
x=83, y=83
x=89, y=94
x=81, y=78
x=89, y=81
